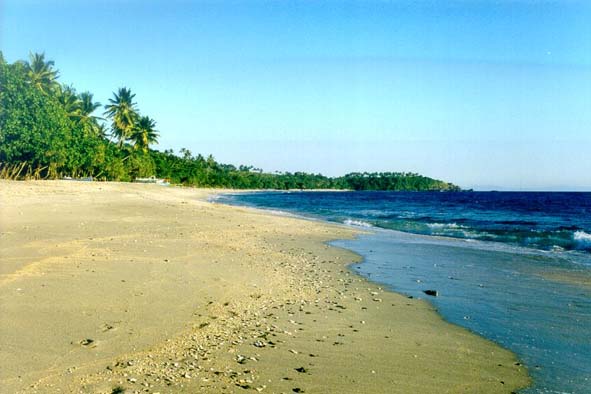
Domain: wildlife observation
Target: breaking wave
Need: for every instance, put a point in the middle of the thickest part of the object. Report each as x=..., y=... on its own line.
x=582, y=240
x=360, y=223
x=544, y=221
x=441, y=226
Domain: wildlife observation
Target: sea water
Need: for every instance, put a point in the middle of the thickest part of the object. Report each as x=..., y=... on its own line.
x=513, y=267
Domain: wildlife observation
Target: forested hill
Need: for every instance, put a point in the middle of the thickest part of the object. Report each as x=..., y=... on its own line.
x=49, y=130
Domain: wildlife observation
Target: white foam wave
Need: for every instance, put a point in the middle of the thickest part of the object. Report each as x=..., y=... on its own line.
x=582, y=239
x=360, y=223
x=279, y=212
x=440, y=226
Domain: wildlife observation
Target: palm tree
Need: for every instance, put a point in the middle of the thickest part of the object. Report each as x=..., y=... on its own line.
x=41, y=73
x=67, y=97
x=87, y=107
x=144, y=133
x=123, y=113
x=101, y=130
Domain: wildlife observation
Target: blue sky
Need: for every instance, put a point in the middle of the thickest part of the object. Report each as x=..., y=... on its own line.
x=486, y=94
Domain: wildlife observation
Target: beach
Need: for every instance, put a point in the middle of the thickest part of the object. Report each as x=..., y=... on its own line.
x=144, y=288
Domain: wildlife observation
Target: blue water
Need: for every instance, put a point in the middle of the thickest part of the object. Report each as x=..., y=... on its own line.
x=512, y=267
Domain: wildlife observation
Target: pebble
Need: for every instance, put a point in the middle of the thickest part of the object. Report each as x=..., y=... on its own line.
x=259, y=344
x=86, y=342
x=432, y=293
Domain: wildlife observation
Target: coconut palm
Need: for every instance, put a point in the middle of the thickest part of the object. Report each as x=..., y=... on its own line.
x=144, y=133
x=101, y=130
x=87, y=107
x=68, y=98
x=41, y=73
x=123, y=113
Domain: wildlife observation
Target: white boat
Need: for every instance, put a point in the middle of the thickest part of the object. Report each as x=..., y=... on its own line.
x=152, y=179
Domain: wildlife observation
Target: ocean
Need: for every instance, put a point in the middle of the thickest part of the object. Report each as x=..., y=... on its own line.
x=514, y=267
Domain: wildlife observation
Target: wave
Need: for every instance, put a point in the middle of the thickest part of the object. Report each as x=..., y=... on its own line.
x=441, y=226
x=360, y=223
x=582, y=240
x=536, y=238
x=555, y=230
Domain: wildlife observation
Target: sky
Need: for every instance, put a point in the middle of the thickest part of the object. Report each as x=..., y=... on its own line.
x=485, y=94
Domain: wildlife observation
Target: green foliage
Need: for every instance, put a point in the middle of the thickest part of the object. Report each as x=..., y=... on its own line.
x=66, y=96
x=197, y=171
x=40, y=73
x=49, y=126
x=34, y=127
x=140, y=165
x=122, y=110
x=144, y=133
x=396, y=181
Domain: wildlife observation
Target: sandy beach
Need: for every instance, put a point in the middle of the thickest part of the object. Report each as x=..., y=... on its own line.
x=151, y=289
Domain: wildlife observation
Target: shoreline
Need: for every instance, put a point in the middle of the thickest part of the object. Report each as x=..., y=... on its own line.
x=226, y=300
x=358, y=229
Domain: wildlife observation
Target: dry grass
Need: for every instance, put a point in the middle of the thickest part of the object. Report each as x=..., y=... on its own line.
x=26, y=172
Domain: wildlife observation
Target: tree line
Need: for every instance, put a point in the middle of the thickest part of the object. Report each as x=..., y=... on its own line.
x=49, y=129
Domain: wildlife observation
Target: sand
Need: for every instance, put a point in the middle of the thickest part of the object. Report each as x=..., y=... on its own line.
x=149, y=289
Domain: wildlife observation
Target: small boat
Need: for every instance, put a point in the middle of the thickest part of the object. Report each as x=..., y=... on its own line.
x=152, y=179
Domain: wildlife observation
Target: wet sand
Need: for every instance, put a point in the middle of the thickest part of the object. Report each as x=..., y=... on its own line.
x=154, y=290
